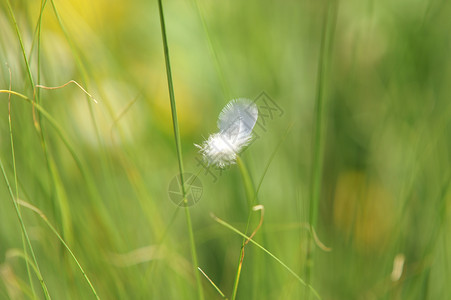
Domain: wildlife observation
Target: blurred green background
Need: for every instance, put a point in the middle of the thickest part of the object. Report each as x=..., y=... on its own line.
x=385, y=199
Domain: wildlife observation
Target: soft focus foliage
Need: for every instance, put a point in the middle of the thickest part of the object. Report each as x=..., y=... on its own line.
x=385, y=190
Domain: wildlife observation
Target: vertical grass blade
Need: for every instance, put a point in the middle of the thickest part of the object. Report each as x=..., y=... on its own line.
x=25, y=233
x=54, y=177
x=251, y=200
x=325, y=47
x=179, y=147
x=251, y=195
x=326, y=39
x=19, y=36
x=16, y=186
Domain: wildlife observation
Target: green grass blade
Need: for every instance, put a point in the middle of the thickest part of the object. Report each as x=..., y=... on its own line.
x=171, y=94
x=52, y=228
x=326, y=44
x=213, y=284
x=227, y=225
x=55, y=179
x=19, y=36
x=85, y=174
x=327, y=36
x=30, y=77
x=16, y=186
x=24, y=255
x=24, y=231
x=251, y=196
x=38, y=27
x=179, y=147
x=36, y=32
x=248, y=184
x=251, y=199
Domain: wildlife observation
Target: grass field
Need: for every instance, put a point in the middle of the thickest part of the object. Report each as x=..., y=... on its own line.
x=345, y=188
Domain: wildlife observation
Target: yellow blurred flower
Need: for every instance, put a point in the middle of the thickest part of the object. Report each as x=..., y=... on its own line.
x=364, y=211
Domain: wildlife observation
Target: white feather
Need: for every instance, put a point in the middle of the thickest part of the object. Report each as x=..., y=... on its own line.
x=235, y=123
x=237, y=119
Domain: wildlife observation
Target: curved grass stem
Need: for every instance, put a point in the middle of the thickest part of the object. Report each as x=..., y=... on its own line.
x=248, y=238
x=52, y=228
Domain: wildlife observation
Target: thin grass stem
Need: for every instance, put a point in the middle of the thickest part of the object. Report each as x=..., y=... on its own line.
x=17, y=253
x=179, y=148
x=85, y=81
x=39, y=26
x=247, y=238
x=63, y=85
x=24, y=231
x=86, y=175
x=19, y=36
x=52, y=228
x=54, y=176
x=213, y=284
x=30, y=77
x=16, y=186
x=317, y=168
x=251, y=199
